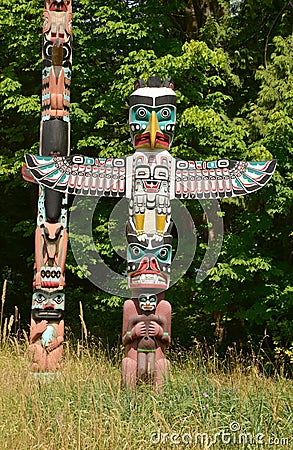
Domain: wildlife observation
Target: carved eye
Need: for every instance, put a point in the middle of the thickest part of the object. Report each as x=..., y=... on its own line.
x=136, y=251
x=141, y=112
x=165, y=113
x=58, y=299
x=40, y=299
x=164, y=253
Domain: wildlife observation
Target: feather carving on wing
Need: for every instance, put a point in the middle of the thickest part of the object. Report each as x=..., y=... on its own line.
x=79, y=175
x=221, y=178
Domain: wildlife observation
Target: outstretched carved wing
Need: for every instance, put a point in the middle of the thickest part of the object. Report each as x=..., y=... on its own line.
x=80, y=175
x=222, y=178
x=83, y=175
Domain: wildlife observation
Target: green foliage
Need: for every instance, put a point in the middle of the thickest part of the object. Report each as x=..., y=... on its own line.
x=232, y=102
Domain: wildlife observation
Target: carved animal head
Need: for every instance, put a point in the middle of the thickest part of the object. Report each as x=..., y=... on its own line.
x=152, y=114
x=148, y=262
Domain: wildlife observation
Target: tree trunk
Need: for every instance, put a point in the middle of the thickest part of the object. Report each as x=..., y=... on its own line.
x=195, y=15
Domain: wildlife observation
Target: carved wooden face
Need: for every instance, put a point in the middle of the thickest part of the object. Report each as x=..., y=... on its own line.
x=152, y=118
x=147, y=302
x=48, y=305
x=148, y=266
x=44, y=300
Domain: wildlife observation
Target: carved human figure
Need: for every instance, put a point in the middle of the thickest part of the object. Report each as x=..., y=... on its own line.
x=146, y=334
x=47, y=330
x=46, y=349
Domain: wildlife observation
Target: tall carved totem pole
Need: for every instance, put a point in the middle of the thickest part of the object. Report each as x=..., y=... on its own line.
x=47, y=322
x=149, y=178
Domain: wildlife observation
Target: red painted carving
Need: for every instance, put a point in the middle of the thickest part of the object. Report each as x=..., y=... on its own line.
x=50, y=254
x=46, y=345
x=146, y=337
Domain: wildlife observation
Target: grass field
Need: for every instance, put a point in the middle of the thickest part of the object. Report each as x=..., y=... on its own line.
x=206, y=404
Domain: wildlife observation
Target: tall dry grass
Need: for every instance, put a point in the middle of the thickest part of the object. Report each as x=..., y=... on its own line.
x=85, y=407
x=208, y=403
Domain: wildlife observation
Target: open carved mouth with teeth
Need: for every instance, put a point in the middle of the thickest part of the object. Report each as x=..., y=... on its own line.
x=149, y=267
x=144, y=140
x=58, y=6
x=44, y=314
x=147, y=307
x=148, y=279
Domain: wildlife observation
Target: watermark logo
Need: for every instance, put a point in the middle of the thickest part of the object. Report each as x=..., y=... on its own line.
x=101, y=275
x=234, y=426
x=229, y=436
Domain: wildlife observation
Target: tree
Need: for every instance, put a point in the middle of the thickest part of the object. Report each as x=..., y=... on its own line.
x=192, y=17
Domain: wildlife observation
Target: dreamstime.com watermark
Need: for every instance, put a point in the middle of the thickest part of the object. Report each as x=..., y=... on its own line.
x=229, y=436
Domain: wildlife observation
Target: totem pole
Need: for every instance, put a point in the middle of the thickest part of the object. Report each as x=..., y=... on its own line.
x=47, y=312
x=149, y=178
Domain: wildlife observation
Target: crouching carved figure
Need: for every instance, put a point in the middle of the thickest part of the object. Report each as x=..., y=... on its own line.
x=146, y=334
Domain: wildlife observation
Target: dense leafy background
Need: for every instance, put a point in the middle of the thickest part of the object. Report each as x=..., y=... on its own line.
x=232, y=67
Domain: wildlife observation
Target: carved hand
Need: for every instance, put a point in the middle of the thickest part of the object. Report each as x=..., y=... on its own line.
x=41, y=327
x=138, y=330
x=155, y=329
x=54, y=343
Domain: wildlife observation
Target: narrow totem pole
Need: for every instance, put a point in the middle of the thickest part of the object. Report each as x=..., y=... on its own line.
x=47, y=312
x=146, y=331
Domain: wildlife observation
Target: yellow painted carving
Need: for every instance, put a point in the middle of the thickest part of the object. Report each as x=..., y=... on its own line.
x=153, y=127
x=139, y=222
x=161, y=222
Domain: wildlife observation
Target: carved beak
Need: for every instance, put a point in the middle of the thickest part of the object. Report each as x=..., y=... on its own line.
x=153, y=128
